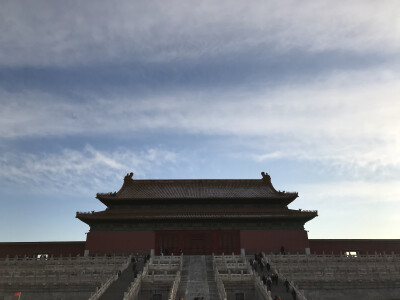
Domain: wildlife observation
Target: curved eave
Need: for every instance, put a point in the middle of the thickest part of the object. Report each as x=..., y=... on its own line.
x=109, y=200
x=89, y=218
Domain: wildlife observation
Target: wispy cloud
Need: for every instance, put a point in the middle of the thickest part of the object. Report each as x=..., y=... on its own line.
x=42, y=34
x=333, y=104
x=74, y=171
x=360, y=192
x=330, y=120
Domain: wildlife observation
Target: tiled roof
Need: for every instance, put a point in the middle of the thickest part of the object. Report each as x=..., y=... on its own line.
x=195, y=214
x=197, y=189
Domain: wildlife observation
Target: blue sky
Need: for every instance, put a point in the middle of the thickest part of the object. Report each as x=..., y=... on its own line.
x=92, y=90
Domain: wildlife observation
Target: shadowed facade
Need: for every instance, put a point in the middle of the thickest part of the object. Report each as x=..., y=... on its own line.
x=197, y=217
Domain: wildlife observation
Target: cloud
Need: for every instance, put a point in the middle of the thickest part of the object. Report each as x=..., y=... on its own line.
x=349, y=209
x=76, y=33
x=347, y=119
x=315, y=83
x=334, y=102
x=88, y=170
x=355, y=192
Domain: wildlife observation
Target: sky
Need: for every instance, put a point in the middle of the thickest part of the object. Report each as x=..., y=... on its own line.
x=308, y=92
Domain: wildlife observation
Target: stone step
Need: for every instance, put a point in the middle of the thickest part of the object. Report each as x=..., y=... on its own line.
x=277, y=290
x=116, y=290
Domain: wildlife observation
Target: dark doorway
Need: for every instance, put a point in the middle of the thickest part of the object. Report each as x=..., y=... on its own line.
x=228, y=242
x=157, y=297
x=197, y=243
x=239, y=296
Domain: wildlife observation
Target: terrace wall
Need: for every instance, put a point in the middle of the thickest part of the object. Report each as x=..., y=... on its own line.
x=32, y=248
x=362, y=246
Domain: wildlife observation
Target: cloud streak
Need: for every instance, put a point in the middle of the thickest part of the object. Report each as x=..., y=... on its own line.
x=366, y=106
x=349, y=119
x=86, y=170
x=43, y=34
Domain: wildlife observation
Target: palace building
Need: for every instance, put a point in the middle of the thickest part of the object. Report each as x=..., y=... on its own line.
x=200, y=216
x=197, y=217
x=213, y=239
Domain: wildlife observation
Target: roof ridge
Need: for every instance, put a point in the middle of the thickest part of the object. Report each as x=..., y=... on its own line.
x=197, y=189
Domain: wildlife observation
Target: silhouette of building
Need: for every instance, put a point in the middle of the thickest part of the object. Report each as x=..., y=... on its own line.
x=197, y=217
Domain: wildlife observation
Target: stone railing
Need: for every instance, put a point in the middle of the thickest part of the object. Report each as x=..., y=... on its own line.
x=177, y=280
x=229, y=258
x=166, y=260
x=53, y=279
x=230, y=262
x=91, y=271
x=299, y=293
x=338, y=268
x=261, y=288
x=218, y=280
x=326, y=258
x=236, y=277
x=164, y=267
x=100, y=291
x=233, y=267
x=292, y=286
x=134, y=289
x=151, y=278
x=175, y=286
x=220, y=286
x=152, y=274
x=55, y=262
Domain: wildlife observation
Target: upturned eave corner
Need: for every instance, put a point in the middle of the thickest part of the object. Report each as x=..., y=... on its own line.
x=107, y=196
x=267, y=179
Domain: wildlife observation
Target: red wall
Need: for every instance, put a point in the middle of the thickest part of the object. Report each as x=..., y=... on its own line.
x=194, y=242
x=252, y=241
x=362, y=246
x=120, y=242
x=33, y=248
x=271, y=241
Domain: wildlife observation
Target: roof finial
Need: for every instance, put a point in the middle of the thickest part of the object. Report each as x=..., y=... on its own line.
x=128, y=176
x=265, y=176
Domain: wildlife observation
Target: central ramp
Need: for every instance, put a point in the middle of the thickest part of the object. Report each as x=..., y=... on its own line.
x=197, y=285
x=198, y=282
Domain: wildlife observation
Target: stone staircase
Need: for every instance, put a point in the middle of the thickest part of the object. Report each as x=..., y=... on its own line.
x=184, y=278
x=212, y=285
x=280, y=290
x=116, y=290
x=276, y=290
x=197, y=279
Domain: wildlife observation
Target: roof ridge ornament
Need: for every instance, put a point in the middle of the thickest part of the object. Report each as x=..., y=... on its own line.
x=128, y=177
x=265, y=176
